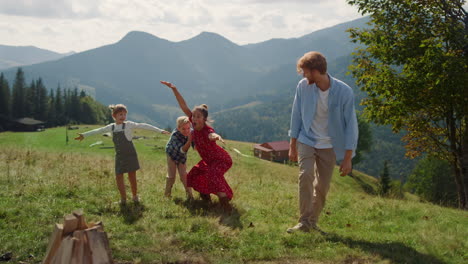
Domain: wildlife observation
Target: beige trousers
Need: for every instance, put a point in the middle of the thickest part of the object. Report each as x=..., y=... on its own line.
x=172, y=168
x=316, y=169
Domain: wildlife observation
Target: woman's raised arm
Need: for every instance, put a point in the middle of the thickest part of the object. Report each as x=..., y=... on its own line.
x=180, y=99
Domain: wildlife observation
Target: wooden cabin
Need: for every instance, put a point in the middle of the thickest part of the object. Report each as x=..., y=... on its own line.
x=274, y=151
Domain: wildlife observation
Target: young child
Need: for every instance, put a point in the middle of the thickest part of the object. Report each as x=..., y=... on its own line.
x=126, y=159
x=176, y=150
x=208, y=175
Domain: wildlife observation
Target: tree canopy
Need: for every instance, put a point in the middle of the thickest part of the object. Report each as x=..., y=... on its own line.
x=413, y=66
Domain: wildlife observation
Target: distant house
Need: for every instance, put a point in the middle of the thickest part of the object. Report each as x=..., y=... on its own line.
x=27, y=124
x=274, y=151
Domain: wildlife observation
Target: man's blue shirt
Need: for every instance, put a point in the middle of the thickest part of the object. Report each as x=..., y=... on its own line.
x=342, y=121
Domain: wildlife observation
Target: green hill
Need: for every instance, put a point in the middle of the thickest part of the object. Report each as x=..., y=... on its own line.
x=43, y=178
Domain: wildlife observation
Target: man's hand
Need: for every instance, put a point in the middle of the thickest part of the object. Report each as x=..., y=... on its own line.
x=165, y=132
x=345, y=167
x=168, y=84
x=79, y=137
x=293, y=153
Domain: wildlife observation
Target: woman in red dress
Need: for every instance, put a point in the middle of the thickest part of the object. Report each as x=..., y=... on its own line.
x=208, y=175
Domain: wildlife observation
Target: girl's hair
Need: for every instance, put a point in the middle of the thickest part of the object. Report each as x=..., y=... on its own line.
x=203, y=108
x=117, y=108
x=182, y=120
x=312, y=60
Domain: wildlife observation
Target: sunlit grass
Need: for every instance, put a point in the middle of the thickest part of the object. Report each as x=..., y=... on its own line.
x=43, y=178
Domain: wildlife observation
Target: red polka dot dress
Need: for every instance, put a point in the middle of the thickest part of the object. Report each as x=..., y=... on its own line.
x=208, y=175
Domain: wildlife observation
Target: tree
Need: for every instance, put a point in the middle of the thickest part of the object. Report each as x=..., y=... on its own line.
x=429, y=180
x=18, y=100
x=4, y=96
x=364, y=141
x=59, y=107
x=41, y=101
x=385, y=180
x=414, y=68
x=30, y=99
x=51, y=113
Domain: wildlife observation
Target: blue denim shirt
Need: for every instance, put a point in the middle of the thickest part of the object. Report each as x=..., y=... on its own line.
x=342, y=121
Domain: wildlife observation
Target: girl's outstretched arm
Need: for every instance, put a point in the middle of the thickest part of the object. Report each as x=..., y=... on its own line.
x=214, y=137
x=79, y=137
x=180, y=99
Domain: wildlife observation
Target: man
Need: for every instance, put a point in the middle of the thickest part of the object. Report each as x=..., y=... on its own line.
x=323, y=129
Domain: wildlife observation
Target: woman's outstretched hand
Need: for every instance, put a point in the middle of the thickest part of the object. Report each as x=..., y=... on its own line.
x=168, y=84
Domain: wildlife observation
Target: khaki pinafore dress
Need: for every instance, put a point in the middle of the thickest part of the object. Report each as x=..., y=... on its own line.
x=126, y=159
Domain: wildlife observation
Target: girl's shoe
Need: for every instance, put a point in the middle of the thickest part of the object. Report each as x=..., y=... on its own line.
x=224, y=201
x=205, y=197
x=136, y=199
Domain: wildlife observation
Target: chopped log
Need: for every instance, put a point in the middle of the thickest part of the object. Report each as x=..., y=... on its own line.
x=70, y=224
x=54, y=243
x=81, y=253
x=81, y=220
x=64, y=252
x=99, y=245
x=93, y=224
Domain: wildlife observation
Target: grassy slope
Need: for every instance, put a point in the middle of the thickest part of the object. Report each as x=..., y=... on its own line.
x=43, y=179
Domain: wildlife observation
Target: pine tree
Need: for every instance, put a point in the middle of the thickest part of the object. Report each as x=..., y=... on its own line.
x=42, y=101
x=30, y=98
x=385, y=180
x=59, y=107
x=51, y=114
x=4, y=97
x=74, y=105
x=18, y=101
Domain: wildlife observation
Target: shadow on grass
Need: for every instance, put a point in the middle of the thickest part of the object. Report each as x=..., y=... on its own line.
x=203, y=208
x=366, y=187
x=395, y=251
x=131, y=212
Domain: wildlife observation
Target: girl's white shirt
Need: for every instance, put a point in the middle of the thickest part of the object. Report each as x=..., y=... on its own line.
x=129, y=127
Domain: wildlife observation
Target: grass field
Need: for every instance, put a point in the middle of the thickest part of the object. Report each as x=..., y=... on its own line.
x=42, y=178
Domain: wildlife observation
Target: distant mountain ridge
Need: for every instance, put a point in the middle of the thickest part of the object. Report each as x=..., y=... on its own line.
x=249, y=88
x=15, y=56
x=207, y=68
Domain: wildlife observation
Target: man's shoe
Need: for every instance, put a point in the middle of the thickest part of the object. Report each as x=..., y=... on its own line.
x=299, y=227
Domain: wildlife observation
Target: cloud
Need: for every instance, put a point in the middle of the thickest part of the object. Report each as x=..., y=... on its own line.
x=274, y=20
x=63, y=25
x=50, y=8
x=242, y=21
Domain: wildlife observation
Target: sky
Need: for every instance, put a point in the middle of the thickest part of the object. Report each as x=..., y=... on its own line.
x=79, y=25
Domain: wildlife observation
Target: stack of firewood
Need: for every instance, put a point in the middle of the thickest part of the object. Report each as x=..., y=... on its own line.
x=77, y=242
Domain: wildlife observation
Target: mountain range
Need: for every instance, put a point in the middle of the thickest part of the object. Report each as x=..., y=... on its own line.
x=15, y=56
x=207, y=68
x=249, y=88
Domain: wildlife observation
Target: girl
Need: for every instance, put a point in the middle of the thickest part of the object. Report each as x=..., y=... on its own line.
x=176, y=150
x=126, y=159
x=208, y=175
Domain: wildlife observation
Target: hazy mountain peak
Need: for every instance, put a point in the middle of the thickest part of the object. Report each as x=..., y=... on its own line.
x=140, y=36
x=210, y=37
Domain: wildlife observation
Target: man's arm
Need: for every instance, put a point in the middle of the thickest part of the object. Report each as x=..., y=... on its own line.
x=293, y=149
x=346, y=165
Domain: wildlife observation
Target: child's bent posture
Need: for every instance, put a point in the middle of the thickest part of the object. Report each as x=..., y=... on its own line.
x=207, y=177
x=126, y=159
x=176, y=150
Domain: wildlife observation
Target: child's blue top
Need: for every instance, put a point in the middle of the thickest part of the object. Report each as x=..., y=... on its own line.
x=174, y=147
